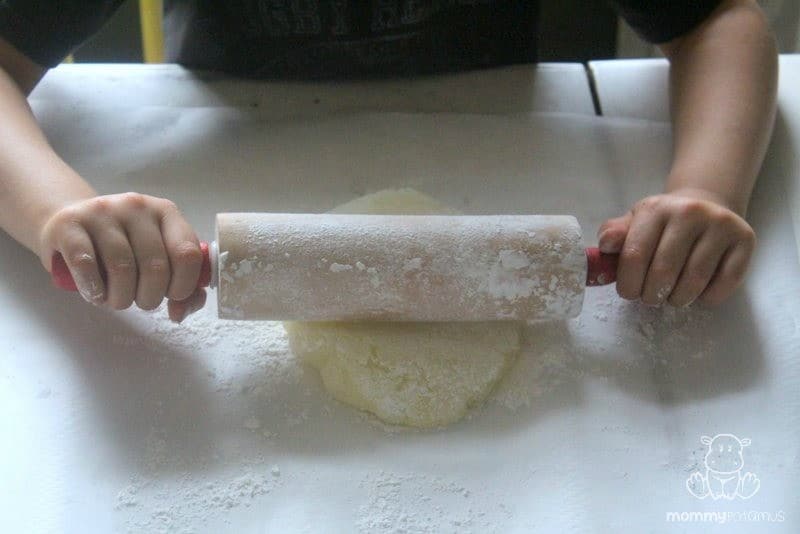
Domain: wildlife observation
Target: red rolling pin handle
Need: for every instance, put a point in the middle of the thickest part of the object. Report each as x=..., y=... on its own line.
x=602, y=268
x=63, y=279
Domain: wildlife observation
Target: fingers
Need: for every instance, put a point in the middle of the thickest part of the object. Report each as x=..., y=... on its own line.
x=639, y=247
x=117, y=260
x=183, y=251
x=678, y=249
x=180, y=309
x=612, y=233
x=125, y=247
x=152, y=262
x=671, y=254
x=699, y=267
x=79, y=254
x=730, y=274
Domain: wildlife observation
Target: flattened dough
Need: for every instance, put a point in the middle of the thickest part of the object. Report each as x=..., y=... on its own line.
x=415, y=374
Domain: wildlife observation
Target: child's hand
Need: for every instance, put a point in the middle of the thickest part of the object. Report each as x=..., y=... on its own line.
x=142, y=245
x=679, y=247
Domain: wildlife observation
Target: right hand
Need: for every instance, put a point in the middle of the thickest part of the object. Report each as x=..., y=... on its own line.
x=127, y=248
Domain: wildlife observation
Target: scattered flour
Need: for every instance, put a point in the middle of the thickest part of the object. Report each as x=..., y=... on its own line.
x=252, y=423
x=246, y=364
x=178, y=505
x=340, y=268
x=420, y=504
x=262, y=341
x=250, y=364
x=611, y=337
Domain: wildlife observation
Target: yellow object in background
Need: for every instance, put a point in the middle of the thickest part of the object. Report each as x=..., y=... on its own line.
x=151, y=14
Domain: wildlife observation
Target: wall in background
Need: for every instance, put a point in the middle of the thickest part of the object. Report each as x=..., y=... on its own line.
x=576, y=30
x=784, y=15
x=119, y=41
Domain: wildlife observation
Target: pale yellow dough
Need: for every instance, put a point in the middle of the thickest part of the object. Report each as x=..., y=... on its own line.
x=415, y=374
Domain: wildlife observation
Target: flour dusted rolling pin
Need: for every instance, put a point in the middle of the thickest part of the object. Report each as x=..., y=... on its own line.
x=326, y=267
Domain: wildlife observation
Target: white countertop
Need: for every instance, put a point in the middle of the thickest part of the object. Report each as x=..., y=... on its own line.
x=121, y=422
x=556, y=87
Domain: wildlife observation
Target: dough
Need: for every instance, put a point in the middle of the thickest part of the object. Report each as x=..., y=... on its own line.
x=415, y=374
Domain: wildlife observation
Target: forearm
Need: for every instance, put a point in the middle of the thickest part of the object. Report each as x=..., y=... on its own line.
x=34, y=181
x=723, y=81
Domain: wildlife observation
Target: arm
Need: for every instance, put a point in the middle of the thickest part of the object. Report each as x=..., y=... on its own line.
x=723, y=84
x=692, y=242
x=34, y=181
x=119, y=248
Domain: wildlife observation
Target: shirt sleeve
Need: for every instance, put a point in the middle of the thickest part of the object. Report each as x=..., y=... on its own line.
x=48, y=30
x=659, y=21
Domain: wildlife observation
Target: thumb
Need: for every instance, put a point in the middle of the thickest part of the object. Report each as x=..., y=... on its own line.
x=612, y=233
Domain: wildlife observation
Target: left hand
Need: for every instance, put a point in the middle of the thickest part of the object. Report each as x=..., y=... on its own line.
x=679, y=247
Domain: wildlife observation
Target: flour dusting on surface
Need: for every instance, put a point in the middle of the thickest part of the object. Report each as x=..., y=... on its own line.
x=181, y=485
x=178, y=505
x=268, y=401
x=564, y=352
x=420, y=504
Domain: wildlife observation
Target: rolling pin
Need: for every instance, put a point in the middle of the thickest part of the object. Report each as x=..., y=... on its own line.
x=335, y=267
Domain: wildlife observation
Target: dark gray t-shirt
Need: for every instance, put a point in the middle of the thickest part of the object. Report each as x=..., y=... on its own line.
x=330, y=38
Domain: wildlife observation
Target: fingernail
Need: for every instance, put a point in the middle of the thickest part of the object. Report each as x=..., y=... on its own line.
x=184, y=314
x=607, y=247
x=606, y=243
x=90, y=291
